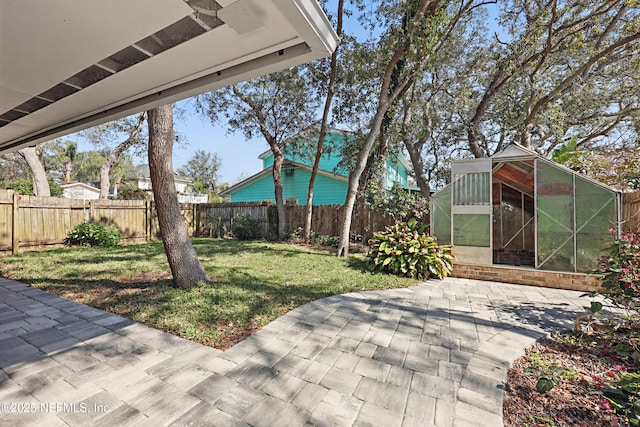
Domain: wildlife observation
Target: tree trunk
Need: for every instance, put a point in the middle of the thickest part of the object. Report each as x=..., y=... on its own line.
x=415, y=148
x=183, y=260
x=308, y=211
x=105, y=169
x=40, y=183
x=415, y=154
x=354, y=178
x=278, y=160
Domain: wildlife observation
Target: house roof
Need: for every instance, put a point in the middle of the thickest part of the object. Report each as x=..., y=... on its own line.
x=307, y=132
x=514, y=165
x=266, y=172
x=67, y=65
x=81, y=185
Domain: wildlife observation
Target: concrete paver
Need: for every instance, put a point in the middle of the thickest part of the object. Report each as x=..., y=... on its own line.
x=436, y=354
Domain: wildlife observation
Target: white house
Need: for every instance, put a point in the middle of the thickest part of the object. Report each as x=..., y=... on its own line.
x=79, y=190
x=141, y=176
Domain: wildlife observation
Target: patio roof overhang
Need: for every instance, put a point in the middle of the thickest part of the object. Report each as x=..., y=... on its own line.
x=69, y=65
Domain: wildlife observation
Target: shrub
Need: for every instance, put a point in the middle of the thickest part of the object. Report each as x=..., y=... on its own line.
x=322, y=239
x=245, y=228
x=93, y=234
x=25, y=187
x=624, y=397
x=620, y=270
x=405, y=249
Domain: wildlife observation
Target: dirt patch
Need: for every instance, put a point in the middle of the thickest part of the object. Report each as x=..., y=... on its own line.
x=145, y=278
x=584, y=366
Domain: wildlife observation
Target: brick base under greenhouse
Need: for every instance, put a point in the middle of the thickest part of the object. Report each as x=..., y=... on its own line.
x=528, y=276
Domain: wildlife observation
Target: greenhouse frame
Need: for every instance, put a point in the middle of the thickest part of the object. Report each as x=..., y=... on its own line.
x=520, y=209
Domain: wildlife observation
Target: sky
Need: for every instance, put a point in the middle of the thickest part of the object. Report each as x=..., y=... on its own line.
x=239, y=156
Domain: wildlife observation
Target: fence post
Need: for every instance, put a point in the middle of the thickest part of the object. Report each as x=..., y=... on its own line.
x=91, y=212
x=15, y=241
x=147, y=219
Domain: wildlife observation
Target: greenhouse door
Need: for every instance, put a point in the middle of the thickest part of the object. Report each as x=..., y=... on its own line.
x=471, y=211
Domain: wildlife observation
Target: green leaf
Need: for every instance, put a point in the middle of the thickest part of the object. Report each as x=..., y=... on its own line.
x=544, y=385
x=595, y=307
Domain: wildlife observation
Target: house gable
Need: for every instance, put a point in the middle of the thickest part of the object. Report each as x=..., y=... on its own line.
x=305, y=154
x=332, y=179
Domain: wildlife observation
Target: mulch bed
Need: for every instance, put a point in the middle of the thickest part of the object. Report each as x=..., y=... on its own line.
x=584, y=364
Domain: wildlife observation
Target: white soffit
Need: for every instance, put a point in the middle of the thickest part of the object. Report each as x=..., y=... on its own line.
x=67, y=65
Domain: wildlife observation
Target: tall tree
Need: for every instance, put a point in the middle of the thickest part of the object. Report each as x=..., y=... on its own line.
x=276, y=106
x=415, y=30
x=13, y=166
x=132, y=139
x=181, y=255
x=426, y=113
x=330, y=91
x=70, y=151
x=88, y=165
x=115, y=138
x=203, y=169
x=40, y=183
x=567, y=69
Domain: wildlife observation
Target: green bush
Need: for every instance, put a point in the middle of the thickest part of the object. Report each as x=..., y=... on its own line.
x=625, y=397
x=620, y=271
x=405, y=249
x=25, y=187
x=245, y=228
x=93, y=234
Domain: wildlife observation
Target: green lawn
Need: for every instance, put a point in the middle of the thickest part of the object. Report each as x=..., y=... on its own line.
x=253, y=284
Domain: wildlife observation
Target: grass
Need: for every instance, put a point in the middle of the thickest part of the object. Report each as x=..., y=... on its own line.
x=253, y=284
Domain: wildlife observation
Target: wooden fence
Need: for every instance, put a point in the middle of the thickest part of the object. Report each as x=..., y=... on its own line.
x=327, y=219
x=631, y=211
x=215, y=220
x=33, y=223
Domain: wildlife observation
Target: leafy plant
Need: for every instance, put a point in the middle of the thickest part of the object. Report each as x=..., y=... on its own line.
x=323, y=239
x=397, y=202
x=245, y=228
x=620, y=270
x=405, y=249
x=326, y=240
x=547, y=373
x=93, y=234
x=624, y=396
x=216, y=228
x=25, y=187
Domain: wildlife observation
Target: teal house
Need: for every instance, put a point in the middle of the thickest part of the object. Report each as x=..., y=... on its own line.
x=331, y=182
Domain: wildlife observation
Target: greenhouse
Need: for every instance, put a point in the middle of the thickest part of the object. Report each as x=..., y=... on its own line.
x=517, y=208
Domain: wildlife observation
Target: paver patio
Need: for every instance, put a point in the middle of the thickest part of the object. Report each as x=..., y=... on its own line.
x=435, y=354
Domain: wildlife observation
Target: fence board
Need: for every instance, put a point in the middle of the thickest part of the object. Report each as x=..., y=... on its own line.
x=631, y=211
